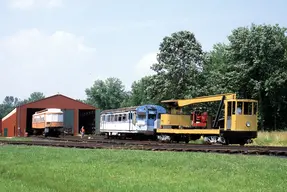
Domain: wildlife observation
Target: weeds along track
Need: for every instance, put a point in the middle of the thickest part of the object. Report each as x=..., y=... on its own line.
x=248, y=150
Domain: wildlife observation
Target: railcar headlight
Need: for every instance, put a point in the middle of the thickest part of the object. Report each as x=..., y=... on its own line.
x=247, y=124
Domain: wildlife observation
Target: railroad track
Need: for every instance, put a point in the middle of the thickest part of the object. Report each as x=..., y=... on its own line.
x=249, y=150
x=96, y=140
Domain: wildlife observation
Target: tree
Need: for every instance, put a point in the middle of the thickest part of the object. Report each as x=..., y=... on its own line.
x=142, y=90
x=35, y=96
x=108, y=94
x=9, y=103
x=127, y=99
x=257, y=59
x=215, y=71
x=82, y=100
x=180, y=61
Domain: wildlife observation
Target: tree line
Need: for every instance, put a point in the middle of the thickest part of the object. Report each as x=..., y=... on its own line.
x=10, y=102
x=252, y=64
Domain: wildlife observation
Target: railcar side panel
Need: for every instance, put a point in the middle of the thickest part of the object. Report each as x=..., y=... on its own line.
x=48, y=120
x=141, y=119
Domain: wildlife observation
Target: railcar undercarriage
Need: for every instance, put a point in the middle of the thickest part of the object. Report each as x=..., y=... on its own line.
x=207, y=139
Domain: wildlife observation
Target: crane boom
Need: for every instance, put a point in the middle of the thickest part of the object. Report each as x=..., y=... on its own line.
x=212, y=98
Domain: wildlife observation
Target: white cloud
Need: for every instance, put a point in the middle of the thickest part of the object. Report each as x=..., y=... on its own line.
x=35, y=61
x=142, y=68
x=28, y=4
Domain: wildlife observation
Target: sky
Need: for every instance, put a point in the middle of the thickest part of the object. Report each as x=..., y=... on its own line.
x=63, y=46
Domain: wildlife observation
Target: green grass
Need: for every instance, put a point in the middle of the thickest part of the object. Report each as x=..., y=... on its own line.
x=16, y=138
x=42, y=169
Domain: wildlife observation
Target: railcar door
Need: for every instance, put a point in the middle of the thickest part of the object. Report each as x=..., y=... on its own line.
x=102, y=122
x=230, y=111
x=151, y=118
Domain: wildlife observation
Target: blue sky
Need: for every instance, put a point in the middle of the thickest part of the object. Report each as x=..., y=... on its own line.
x=64, y=45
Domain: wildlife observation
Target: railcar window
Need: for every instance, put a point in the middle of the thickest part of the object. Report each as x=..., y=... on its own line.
x=247, y=108
x=141, y=116
x=254, y=108
x=239, y=108
x=124, y=117
x=233, y=107
x=130, y=115
x=120, y=117
x=151, y=116
x=229, y=108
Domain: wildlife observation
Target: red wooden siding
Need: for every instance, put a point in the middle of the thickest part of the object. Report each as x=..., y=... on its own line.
x=10, y=124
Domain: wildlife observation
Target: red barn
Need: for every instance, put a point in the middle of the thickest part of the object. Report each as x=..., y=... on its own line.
x=76, y=114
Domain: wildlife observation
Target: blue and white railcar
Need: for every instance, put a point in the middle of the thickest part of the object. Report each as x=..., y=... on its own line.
x=132, y=120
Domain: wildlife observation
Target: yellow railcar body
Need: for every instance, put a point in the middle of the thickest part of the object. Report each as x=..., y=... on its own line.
x=245, y=120
x=190, y=131
x=175, y=120
x=239, y=119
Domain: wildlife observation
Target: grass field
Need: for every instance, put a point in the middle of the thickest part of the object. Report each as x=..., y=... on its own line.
x=42, y=169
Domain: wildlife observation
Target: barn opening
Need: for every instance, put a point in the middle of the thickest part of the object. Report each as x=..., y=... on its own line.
x=87, y=119
x=30, y=113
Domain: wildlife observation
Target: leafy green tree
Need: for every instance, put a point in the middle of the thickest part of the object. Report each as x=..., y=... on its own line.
x=82, y=100
x=180, y=62
x=141, y=91
x=127, y=99
x=215, y=71
x=257, y=59
x=35, y=96
x=9, y=103
x=108, y=94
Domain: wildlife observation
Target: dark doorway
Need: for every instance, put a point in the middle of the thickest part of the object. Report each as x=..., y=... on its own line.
x=87, y=119
x=30, y=113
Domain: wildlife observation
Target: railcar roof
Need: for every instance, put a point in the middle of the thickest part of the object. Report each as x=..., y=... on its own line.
x=123, y=109
x=135, y=108
x=52, y=110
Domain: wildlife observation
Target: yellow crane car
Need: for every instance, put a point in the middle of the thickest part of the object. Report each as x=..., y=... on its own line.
x=238, y=124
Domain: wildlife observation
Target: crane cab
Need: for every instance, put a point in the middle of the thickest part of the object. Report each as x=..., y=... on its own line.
x=240, y=120
x=241, y=115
